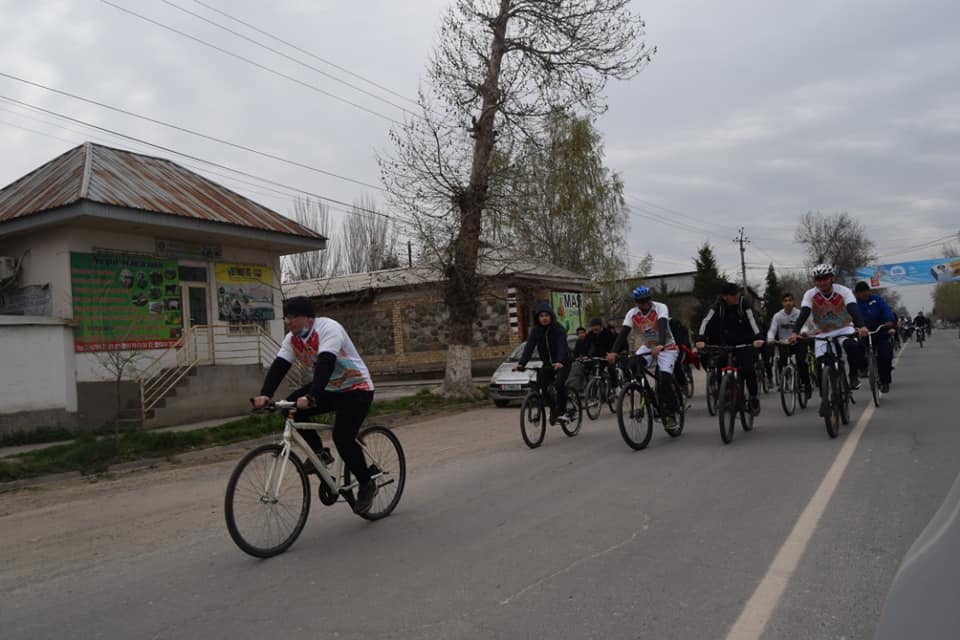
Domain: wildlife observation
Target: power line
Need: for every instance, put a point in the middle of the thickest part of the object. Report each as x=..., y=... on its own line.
x=306, y=52
x=251, y=62
x=199, y=134
x=352, y=207
x=289, y=57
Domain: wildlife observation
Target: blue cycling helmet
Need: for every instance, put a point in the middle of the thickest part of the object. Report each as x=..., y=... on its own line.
x=642, y=292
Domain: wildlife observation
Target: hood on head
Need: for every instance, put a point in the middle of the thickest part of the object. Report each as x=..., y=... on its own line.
x=544, y=307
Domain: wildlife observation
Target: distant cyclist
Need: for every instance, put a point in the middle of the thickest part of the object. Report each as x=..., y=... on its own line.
x=835, y=313
x=732, y=321
x=877, y=312
x=651, y=320
x=921, y=323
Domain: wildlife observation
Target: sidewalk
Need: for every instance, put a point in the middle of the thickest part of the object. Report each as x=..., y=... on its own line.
x=384, y=391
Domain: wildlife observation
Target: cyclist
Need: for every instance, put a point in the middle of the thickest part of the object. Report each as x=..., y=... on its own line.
x=921, y=323
x=341, y=384
x=782, y=325
x=580, y=348
x=550, y=339
x=875, y=312
x=652, y=322
x=600, y=343
x=731, y=320
x=834, y=310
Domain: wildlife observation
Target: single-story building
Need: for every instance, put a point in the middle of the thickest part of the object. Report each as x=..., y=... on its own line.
x=399, y=323
x=125, y=271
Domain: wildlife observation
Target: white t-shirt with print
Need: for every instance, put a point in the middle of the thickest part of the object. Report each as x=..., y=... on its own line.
x=829, y=313
x=644, y=325
x=327, y=335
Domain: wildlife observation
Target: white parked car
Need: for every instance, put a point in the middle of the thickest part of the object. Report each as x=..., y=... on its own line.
x=507, y=384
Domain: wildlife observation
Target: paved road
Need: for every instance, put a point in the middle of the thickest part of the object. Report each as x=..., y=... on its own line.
x=581, y=538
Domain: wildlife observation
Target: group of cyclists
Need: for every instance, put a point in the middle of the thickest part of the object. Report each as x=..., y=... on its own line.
x=827, y=310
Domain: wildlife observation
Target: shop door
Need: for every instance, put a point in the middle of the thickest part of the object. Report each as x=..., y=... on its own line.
x=196, y=319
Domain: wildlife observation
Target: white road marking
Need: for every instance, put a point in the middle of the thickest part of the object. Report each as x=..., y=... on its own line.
x=756, y=613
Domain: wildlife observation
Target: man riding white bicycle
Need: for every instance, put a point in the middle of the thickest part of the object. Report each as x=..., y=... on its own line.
x=341, y=384
x=835, y=313
x=652, y=322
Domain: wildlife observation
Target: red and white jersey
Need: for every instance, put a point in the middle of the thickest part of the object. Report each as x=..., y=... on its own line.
x=328, y=336
x=644, y=325
x=829, y=313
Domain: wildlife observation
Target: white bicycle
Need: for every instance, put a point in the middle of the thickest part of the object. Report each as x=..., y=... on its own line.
x=268, y=495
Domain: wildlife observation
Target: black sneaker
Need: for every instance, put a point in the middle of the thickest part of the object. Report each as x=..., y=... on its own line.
x=553, y=417
x=365, y=495
x=808, y=392
x=884, y=388
x=308, y=467
x=326, y=457
x=755, y=405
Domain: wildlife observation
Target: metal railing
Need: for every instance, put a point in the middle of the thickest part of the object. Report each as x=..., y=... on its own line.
x=216, y=344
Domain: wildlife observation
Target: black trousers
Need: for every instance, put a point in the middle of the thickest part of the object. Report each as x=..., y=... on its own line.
x=349, y=409
x=547, y=374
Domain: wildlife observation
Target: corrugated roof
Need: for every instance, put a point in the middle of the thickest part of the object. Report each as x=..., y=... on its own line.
x=125, y=179
x=493, y=263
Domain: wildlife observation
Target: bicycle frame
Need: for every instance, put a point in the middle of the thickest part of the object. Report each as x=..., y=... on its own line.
x=291, y=437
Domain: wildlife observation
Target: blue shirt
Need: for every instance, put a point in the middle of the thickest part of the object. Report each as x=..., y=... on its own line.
x=875, y=311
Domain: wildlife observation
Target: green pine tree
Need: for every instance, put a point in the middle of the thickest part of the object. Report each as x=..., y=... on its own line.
x=707, y=281
x=772, y=295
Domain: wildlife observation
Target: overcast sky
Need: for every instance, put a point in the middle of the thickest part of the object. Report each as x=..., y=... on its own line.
x=752, y=112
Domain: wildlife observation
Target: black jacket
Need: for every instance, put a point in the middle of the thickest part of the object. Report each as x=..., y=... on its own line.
x=598, y=345
x=730, y=324
x=550, y=340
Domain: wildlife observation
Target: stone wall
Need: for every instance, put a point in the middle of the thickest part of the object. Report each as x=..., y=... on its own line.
x=370, y=327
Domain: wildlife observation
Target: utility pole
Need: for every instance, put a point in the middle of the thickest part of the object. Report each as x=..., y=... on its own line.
x=743, y=261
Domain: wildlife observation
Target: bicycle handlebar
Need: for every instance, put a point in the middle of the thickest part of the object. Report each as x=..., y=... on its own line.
x=727, y=347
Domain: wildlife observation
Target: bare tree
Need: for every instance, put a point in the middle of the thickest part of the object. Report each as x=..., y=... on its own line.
x=368, y=240
x=837, y=239
x=499, y=67
x=311, y=265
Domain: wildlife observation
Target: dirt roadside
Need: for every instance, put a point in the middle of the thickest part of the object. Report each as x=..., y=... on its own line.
x=68, y=524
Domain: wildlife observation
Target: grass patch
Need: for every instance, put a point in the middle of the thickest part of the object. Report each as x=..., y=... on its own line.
x=92, y=453
x=36, y=436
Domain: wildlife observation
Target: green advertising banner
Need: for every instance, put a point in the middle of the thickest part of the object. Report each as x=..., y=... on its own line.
x=568, y=307
x=125, y=303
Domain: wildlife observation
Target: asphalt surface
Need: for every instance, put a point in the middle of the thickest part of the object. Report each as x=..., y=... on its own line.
x=581, y=538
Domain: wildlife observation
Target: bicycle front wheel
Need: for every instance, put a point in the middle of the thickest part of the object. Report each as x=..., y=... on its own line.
x=594, y=396
x=713, y=390
x=575, y=413
x=830, y=389
x=634, y=417
x=788, y=390
x=533, y=421
x=688, y=388
x=388, y=468
x=874, y=377
x=267, y=501
x=726, y=407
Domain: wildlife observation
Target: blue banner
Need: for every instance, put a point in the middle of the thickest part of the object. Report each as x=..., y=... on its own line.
x=916, y=272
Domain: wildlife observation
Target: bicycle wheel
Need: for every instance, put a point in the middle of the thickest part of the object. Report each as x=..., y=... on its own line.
x=788, y=389
x=764, y=380
x=594, y=396
x=874, y=376
x=613, y=391
x=267, y=502
x=681, y=410
x=634, y=417
x=844, y=397
x=533, y=420
x=829, y=389
x=388, y=467
x=575, y=412
x=726, y=408
x=712, y=392
x=688, y=388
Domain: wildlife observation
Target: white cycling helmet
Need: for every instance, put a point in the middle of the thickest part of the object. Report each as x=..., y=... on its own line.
x=823, y=270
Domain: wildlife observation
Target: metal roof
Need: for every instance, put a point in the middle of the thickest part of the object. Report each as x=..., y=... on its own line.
x=492, y=264
x=105, y=175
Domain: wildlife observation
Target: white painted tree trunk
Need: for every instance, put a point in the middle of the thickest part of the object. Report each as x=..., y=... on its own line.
x=458, y=378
